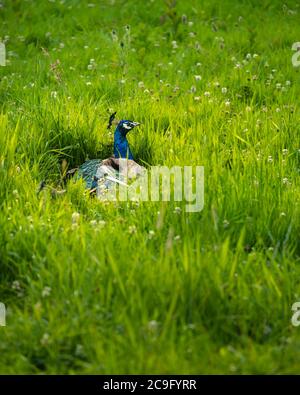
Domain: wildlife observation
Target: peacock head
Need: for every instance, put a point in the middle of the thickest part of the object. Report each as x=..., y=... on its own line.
x=121, y=145
x=125, y=126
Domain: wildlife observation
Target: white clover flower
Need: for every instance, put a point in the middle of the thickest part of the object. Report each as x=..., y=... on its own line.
x=197, y=98
x=132, y=229
x=141, y=84
x=225, y=223
x=198, y=77
x=270, y=159
x=174, y=44
x=248, y=56
x=287, y=83
x=45, y=339
x=151, y=234
x=46, y=292
x=193, y=89
x=224, y=90
x=16, y=285
x=153, y=326
x=53, y=94
x=285, y=151
x=207, y=94
x=88, y=83
x=177, y=210
x=75, y=217
x=227, y=103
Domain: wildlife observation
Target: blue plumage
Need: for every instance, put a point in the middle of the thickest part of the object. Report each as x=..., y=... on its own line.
x=121, y=146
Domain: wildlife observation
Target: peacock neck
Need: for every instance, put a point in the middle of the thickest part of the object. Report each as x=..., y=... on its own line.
x=121, y=146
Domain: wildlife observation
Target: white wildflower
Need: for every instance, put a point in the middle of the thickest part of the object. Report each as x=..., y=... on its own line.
x=132, y=229
x=151, y=234
x=45, y=339
x=46, y=292
x=75, y=218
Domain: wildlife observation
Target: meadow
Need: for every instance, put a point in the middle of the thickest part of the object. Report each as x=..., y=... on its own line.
x=145, y=287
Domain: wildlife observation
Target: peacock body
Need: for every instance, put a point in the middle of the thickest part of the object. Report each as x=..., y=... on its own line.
x=102, y=174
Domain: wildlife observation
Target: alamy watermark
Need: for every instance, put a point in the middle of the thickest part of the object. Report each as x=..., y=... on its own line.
x=296, y=316
x=2, y=314
x=296, y=56
x=158, y=183
x=2, y=54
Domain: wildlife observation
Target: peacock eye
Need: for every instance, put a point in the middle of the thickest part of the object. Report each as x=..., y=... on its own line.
x=126, y=126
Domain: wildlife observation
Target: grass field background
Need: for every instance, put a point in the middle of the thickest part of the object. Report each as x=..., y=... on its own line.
x=148, y=288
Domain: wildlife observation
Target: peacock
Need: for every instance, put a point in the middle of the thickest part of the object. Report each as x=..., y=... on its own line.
x=101, y=174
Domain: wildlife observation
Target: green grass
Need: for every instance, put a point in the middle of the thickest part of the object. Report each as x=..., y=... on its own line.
x=105, y=297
